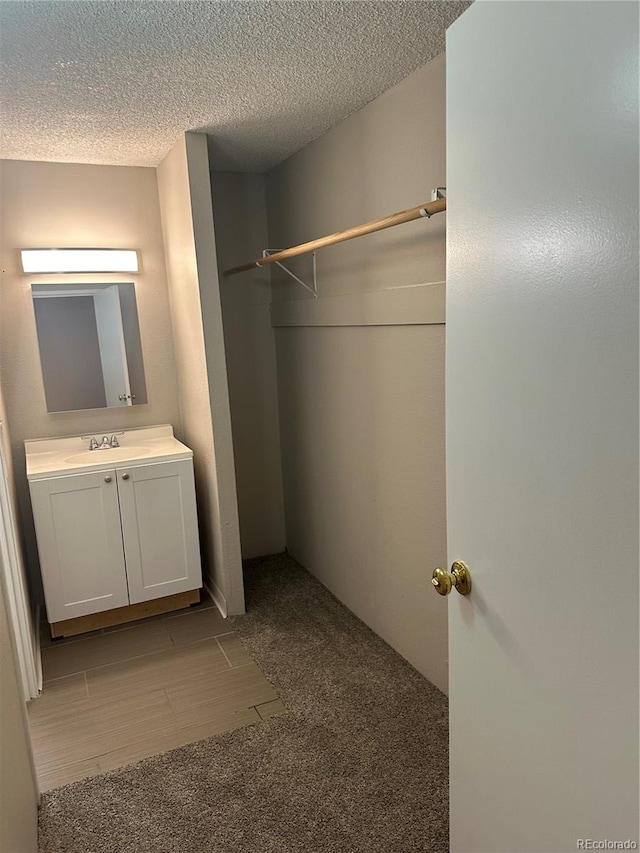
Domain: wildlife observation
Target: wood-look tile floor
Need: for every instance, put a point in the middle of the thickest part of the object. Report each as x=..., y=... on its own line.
x=121, y=694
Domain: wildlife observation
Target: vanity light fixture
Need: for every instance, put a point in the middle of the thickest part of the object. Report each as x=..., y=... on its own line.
x=79, y=260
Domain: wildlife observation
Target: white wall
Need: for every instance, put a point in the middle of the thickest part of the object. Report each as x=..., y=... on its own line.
x=18, y=791
x=239, y=208
x=362, y=405
x=187, y=222
x=58, y=204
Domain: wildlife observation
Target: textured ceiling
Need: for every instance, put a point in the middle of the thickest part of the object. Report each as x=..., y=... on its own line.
x=118, y=82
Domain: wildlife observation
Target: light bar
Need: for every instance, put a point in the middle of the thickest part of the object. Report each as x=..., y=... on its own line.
x=79, y=260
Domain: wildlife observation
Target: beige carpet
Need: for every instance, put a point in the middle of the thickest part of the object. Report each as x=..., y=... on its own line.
x=357, y=765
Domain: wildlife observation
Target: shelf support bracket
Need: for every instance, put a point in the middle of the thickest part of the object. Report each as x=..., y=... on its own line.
x=312, y=288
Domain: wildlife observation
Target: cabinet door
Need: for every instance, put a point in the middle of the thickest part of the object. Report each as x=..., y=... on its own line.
x=159, y=528
x=80, y=544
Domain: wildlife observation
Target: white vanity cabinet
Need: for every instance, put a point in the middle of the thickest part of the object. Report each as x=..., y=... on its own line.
x=159, y=529
x=118, y=535
x=77, y=521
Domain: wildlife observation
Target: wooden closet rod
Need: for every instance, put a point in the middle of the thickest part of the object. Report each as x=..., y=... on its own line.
x=422, y=210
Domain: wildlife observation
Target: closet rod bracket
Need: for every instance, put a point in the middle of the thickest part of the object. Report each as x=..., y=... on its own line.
x=437, y=193
x=312, y=288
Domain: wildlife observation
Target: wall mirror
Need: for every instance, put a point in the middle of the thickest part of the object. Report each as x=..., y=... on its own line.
x=89, y=342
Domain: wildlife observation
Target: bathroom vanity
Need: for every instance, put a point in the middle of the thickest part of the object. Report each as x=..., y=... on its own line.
x=116, y=527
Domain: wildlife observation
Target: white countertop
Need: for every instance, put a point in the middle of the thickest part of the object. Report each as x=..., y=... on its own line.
x=55, y=457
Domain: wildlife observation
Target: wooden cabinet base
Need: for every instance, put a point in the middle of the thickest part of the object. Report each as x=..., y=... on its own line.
x=120, y=615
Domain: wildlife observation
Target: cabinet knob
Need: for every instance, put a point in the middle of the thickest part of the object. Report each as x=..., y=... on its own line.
x=125, y=476
x=107, y=479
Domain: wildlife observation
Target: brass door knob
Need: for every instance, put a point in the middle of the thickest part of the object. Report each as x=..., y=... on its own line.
x=459, y=577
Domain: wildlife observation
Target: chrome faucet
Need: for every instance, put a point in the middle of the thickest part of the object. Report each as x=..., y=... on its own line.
x=105, y=443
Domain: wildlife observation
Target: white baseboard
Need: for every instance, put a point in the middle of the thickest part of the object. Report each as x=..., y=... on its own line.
x=216, y=594
x=37, y=653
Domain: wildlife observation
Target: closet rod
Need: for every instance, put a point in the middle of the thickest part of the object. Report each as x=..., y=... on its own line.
x=422, y=210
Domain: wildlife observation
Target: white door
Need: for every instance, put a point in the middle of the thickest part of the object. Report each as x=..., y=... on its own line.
x=77, y=524
x=113, y=353
x=542, y=425
x=160, y=530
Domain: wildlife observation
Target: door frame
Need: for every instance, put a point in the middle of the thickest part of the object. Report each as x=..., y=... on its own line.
x=22, y=625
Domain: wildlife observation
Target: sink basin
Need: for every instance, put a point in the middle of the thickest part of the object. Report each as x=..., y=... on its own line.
x=57, y=457
x=113, y=454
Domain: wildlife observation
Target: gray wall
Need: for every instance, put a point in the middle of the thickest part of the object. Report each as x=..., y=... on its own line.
x=61, y=204
x=69, y=352
x=362, y=405
x=239, y=207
